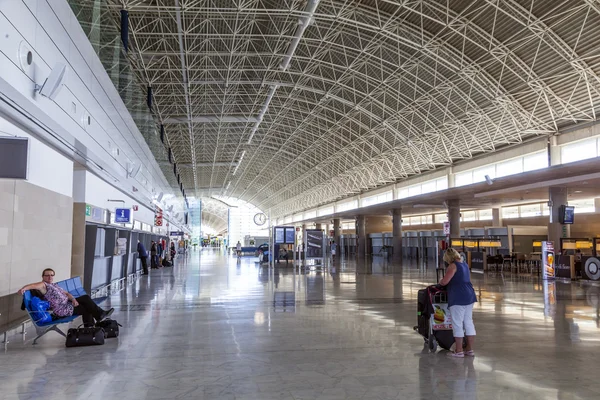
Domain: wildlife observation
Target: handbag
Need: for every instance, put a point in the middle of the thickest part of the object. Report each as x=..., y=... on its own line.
x=110, y=326
x=86, y=336
x=39, y=311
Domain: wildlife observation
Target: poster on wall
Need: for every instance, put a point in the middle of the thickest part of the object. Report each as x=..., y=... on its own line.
x=158, y=217
x=314, y=243
x=290, y=235
x=279, y=235
x=477, y=261
x=548, y=260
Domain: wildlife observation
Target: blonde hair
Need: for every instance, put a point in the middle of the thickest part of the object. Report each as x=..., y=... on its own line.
x=452, y=255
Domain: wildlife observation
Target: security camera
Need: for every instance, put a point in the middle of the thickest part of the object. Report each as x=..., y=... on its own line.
x=489, y=180
x=52, y=85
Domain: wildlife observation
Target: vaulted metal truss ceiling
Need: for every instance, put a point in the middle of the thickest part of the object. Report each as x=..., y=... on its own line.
x=375, y=92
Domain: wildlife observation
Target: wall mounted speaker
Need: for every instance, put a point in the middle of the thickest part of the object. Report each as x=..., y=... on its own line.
x=52, y=85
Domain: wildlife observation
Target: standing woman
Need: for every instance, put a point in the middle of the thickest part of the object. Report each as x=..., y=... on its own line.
x=461, y=297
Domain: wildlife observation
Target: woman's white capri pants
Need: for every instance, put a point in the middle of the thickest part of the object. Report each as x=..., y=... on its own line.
x=462, y=320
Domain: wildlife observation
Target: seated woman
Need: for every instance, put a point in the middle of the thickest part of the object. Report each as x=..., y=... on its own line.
x=63, y=304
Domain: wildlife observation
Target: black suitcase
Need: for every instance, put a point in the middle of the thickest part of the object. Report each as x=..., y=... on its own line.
x=166, y=263
x=110, y=326
x=87, y=336
x=423, y=313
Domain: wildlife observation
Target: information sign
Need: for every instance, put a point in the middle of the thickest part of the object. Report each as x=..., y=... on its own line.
x=122, y=215
x=279, y=235
x=290, y=235
x=446, y=228
x=314, y=243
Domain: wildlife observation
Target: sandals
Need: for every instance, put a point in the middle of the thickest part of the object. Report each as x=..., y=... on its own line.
x=457, y=355
x=470, y=353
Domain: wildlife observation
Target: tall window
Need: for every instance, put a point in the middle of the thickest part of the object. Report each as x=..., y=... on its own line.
x=578, y=151
x=241, y=222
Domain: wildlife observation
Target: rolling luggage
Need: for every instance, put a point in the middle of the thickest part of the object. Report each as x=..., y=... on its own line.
x=433, y=318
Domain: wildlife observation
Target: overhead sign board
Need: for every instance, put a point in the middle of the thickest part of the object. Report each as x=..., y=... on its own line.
x=446, y=228
x=122, y=215
x=176, y=233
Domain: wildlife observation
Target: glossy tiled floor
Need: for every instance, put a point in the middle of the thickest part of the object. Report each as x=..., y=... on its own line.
x=213, y=328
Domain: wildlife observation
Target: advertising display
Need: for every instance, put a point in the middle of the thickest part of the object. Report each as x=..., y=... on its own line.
x=548, y=260
x=549, y=298
x=158, y=217
x=314, y=243
x=441, y=317
x=122, y=215
x=446, y=228
x=564, y=267
x=290, y=235
x=279, y=235
x=477, y=261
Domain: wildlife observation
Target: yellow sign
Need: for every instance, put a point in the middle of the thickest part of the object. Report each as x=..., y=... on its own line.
x=569, y=246
x=470, y=243
x=537, y=243
x=490, y=243
x=458, y=243
x=583, y=244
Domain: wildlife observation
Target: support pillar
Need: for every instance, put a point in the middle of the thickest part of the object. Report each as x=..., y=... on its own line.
x=454, y=218
x=362, y=237
x=318, y=226
x=556, y=230
x=397, y=233
x=496, y=217
x=336, y=230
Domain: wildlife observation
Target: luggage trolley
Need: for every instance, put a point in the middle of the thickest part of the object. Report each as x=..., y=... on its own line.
x=433, y=318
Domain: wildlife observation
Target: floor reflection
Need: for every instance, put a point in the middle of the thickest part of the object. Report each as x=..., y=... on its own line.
x=218, y=327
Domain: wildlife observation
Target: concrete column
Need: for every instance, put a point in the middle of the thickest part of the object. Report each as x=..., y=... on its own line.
x=362, y=237
x=496, y=217
x=556, y=231
x=336, y=230
x=454, y=217
x=318, y=226
x=397, y=233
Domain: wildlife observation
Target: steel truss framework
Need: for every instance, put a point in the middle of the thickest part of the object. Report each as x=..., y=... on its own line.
x=375, y=92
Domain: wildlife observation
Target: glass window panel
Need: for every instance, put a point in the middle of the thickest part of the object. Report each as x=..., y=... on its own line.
x=402, y=193
x=530, y=210
x=439, y=218
x=578, y=151
x=463, y=178
x=297, y=217
x=510, y=212
x=427, y=219
x=414, y=190
x=325, y=211
x=510, y=167
x=485, y=215
x=468, y=216
x=545, y=209
x=583, y=206
x=428, y=187
x=414, y=220
x=287, y=220
x=480, y=173
x=442, y=183
x=535, y=161
x=310, y=214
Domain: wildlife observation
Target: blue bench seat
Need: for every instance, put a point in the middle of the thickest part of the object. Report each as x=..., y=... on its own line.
x=74, y=287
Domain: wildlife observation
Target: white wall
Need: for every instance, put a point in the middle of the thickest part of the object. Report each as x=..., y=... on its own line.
x=97, y=193
x=47, y=168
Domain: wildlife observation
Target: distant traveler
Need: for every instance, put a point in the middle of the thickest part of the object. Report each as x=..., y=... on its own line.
x=63, y=304
x=143, y=255
x=173, y=252
x=153, y=263
x=159, y=253
x=238, y=249
x=283, y=253
x=461, y=297
x=333, y=250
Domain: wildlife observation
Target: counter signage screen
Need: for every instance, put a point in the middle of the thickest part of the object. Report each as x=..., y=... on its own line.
x=567, y=214
x=279, y=235
x=314, y=244
x=290, y=235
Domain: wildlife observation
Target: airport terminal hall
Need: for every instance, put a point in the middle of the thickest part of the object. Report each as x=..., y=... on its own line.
x=299, y=199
